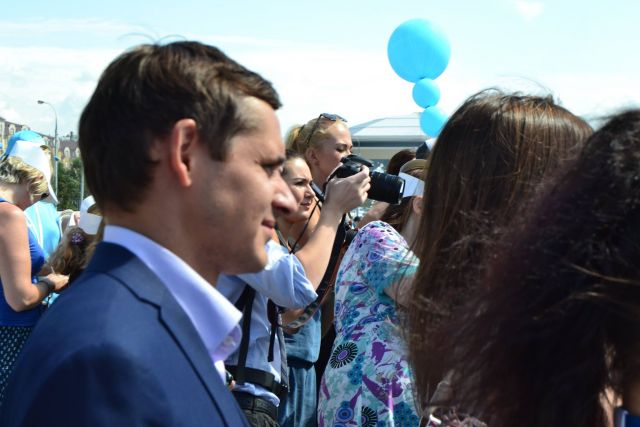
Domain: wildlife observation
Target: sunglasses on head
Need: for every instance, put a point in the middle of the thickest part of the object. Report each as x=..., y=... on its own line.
x=314, y=128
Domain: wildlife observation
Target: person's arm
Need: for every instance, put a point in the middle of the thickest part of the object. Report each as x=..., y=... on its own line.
x=393, y=264
x=15, y=263
x=342, y=195
x=400, y=290
x=283, y=280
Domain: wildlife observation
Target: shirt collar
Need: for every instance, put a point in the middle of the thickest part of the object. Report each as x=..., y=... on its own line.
x=214, y=317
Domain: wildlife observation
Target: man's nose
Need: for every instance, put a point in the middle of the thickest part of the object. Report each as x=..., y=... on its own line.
x=283, y=200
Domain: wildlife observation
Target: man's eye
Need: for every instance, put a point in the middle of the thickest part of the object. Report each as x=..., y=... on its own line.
x=272, y=169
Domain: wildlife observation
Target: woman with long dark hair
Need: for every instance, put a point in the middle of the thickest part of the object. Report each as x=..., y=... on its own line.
x=489, y=158
x=554, y=332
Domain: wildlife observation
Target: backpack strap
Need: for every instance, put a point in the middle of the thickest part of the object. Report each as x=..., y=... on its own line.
x=244, y=374
x=244, y=304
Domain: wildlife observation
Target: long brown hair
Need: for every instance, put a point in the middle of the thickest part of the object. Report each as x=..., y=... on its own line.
x=558, y=322
x=490, y=156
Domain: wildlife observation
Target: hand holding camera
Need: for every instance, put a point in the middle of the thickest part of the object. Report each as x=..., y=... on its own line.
x=384, y=187
x=345, y=194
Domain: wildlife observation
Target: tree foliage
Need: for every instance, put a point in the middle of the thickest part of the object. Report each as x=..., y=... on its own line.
x=69, y=185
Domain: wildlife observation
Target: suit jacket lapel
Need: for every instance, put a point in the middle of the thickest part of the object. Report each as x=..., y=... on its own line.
x=186, y=335
x=117, y=261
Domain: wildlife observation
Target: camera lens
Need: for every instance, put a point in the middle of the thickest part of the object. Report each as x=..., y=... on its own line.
x=386, y=188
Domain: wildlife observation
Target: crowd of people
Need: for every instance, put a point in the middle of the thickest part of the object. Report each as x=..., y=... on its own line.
x=216, y=277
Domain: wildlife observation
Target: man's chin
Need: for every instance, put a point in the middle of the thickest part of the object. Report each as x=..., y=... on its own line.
x=249, y=264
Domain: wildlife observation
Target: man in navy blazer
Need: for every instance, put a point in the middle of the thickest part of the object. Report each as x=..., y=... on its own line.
x=182, y=152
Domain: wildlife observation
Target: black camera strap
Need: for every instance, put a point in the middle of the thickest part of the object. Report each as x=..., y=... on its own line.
x=328, y=280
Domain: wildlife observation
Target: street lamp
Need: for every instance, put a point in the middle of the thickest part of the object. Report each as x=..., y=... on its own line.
x=55, y=144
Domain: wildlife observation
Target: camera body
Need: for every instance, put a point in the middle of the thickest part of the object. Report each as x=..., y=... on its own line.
x=384, y=187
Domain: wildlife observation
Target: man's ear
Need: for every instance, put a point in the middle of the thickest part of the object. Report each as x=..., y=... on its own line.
x=182, y=142
x=416, y=205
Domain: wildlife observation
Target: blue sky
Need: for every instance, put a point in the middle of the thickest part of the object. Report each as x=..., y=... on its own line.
x=328, y=56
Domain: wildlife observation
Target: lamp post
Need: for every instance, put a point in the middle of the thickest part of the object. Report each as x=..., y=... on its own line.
x=55, y=144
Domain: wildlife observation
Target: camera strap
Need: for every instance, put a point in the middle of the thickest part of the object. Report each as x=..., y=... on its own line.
x=328, y=280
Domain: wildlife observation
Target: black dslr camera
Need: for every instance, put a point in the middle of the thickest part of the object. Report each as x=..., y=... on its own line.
x=384, y=187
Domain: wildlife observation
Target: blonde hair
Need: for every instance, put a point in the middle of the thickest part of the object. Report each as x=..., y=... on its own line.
x=299, y=137
x=14, y=171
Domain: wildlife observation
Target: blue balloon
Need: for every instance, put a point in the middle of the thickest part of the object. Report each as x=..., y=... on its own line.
x=418, y=49
x=426, y=93
x=432, y=121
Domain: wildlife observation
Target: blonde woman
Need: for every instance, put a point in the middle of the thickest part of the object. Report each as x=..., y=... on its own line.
x=22, y=183
x=321, y=142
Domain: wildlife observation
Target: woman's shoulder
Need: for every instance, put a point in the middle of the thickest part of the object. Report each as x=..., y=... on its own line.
x=377, y=227
x=377, y=230
x=10, y=213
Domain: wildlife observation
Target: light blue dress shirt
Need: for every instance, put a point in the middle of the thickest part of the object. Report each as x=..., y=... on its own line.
x=283, y=281
x=213, y=316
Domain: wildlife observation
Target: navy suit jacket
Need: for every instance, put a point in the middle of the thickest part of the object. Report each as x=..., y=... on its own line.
x=116, y=349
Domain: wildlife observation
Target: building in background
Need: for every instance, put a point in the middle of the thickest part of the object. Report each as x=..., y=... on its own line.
x=376, y=140
x=68, y=149
x=380, y=139
x=7, y=129
x=67, y=144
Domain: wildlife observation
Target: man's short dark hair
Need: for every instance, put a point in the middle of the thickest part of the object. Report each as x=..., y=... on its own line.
x=142, y=94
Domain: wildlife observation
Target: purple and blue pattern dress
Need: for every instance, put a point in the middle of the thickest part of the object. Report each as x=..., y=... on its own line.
x=367, y=381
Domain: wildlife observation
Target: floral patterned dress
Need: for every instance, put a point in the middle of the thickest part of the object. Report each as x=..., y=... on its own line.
x=367, y=381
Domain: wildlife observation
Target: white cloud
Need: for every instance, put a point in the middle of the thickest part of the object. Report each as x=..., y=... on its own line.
x=528, y=9
x=38, y=27
x=359, y=85
x=310, y=78
x=595, y=95
x=63, y=77
x=254, y=42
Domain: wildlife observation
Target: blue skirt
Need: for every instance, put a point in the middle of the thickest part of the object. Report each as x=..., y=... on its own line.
x=12, y=339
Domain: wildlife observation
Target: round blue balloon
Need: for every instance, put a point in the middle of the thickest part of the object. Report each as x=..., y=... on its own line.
x=418, y=49
x=426, y=93
x=432, y=121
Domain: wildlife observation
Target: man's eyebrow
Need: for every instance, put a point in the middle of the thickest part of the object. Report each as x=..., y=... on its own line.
x=275, y=162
